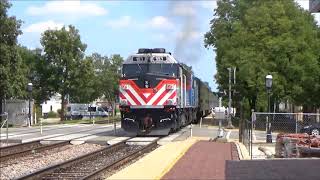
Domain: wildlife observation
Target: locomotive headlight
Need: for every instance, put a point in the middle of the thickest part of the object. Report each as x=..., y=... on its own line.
x=124, y=86
x=170, y=102
x=169, y=86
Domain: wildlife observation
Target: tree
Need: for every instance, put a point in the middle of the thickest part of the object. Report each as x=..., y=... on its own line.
x=63, y=50
x=108, y=72
x=12, y=81
x=110, y=76
x=85, y=86
x=261, y=37
x=36, y=71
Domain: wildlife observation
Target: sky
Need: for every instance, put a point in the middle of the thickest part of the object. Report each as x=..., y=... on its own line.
x=122, y=27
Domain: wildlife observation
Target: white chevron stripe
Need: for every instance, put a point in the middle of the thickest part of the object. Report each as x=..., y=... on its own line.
x=127, y=96
x=156, y=96
x=146, y=94
x=136, y=95
x=163, y=100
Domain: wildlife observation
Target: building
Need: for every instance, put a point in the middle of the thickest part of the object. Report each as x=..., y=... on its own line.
x=18, y=112
x=53, y=104
x=314, y=6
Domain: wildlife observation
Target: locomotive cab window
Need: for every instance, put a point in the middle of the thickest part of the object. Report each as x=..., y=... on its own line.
x=130, y=70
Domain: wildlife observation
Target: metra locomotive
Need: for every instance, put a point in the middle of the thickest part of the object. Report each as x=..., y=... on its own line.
x=159, y=95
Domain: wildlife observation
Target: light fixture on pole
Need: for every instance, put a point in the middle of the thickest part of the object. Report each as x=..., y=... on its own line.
x=269, y=86
x=29, y=88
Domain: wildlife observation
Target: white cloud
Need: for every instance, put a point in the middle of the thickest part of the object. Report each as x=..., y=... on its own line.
x=122, y=22
x=209, y=4
x=72, y=7
x=42, y=26
x=183, y=9
x=160, y=22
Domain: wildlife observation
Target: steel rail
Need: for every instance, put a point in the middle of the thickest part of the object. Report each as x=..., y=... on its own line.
x=8, y=150
x=96, y=174
x=35, y=150
x=45, y=171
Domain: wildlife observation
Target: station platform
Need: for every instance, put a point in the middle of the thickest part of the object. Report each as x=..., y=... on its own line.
x=204, y=160
x=182, y=160
x=157, y=163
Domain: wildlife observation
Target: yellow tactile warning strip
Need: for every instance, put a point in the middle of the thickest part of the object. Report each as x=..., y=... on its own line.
x=157, y=163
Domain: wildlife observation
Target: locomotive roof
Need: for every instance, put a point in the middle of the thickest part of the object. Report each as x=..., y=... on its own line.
x=151, y=58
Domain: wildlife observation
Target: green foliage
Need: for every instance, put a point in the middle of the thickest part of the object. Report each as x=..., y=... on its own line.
x=85, y=83
x=63, y=51
x=108, y=72
x=13, y=82
x=52, y=114
x=37, y=72
x=262, y=37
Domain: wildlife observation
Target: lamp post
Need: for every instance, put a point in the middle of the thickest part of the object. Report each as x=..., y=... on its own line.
x=29, y=88
x=269, y=86
x=230, y=126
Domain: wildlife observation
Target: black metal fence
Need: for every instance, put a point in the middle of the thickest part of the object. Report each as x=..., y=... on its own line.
x=246, y=135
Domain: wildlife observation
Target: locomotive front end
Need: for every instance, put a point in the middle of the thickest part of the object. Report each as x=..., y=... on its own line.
x=148, y=92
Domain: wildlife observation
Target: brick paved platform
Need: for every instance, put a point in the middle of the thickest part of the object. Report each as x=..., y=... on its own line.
x=204, y=160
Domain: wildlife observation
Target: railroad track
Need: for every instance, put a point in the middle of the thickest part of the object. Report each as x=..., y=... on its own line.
x=95, y=164
x=19, y=150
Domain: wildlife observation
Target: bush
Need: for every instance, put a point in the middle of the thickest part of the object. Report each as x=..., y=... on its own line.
x=52, y=114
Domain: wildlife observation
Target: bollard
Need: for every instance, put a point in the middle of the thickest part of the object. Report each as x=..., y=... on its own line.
x=7, y=133
x=200, y=122
x=269, y=133
x=191, y=130
x=220, y=131
x=115, y=127
x=296, y=126
x=41, y=126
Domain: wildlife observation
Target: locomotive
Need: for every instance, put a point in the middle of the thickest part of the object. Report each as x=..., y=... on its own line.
x=158, y=95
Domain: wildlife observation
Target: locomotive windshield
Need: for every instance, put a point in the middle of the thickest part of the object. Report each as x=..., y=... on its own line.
x=132, y=70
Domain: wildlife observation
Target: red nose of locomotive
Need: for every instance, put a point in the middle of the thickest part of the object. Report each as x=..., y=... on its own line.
x=165, y=93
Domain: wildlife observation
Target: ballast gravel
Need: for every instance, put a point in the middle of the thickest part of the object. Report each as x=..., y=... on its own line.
x=18, y=167
x=3, y=144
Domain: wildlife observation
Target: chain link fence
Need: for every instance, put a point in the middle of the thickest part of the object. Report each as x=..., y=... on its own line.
x=264, y=127
x=275, y=123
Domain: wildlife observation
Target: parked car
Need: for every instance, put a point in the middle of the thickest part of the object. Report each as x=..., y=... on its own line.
x=79, y=111
x=312, y=129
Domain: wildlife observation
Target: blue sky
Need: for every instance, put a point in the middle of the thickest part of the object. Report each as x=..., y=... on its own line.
x=121, y=27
